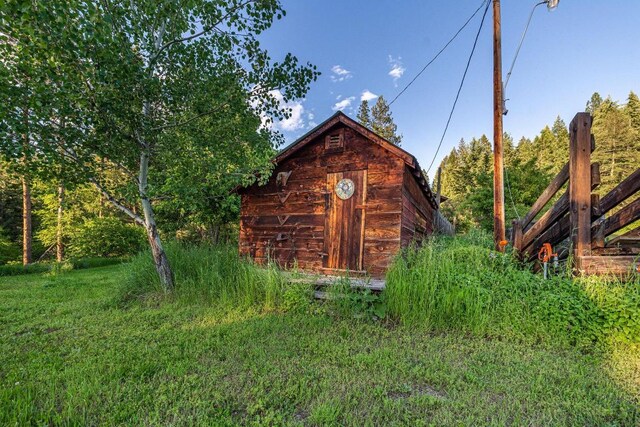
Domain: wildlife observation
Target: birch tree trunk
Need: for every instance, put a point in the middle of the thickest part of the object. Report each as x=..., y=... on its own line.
x=157, y=251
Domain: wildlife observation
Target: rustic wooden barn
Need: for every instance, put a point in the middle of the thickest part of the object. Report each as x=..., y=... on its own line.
x=340, y=198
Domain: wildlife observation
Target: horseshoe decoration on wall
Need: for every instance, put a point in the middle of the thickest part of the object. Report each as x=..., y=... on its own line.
x=282, y=219
x=282, y=178
x=284, y=196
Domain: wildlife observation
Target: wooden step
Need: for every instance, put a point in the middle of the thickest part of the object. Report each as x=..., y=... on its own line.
x=376, y=285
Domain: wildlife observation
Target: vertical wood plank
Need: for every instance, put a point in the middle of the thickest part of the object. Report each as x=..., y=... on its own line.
x=363, y=220
x=331, y=232
x=580, y=185
x=438, y=194
x=346, y=223
x=598, y=237
x=517, y=235
x=353, y=221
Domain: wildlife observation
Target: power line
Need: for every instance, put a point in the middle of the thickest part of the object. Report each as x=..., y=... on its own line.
x=524, y=34
x=455, y=102
x=438, y=54
x=511, y=195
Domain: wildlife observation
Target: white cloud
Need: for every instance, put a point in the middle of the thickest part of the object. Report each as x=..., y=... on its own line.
x=311, y=116
x=294, y=122
x=296, y=118
x=367, y=95
x=312, y=124
x=340, y=73
x=397, y=70
x=343, y=104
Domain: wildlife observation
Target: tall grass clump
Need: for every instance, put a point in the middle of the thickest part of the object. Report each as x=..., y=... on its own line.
x=460, y=283
x=439, y=285
x=206, y=274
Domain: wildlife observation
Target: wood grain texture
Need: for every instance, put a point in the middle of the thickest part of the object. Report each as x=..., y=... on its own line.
x=301, y=220
x=580, y=184
x=418, y=212
x=607, y=265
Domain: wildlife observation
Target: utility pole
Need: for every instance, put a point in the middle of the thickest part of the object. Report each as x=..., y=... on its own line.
x=498, y=161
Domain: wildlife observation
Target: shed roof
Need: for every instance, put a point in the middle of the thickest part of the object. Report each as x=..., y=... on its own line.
x=340, y=117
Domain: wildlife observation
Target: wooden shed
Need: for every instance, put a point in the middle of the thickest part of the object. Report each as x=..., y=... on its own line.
x=341, y=198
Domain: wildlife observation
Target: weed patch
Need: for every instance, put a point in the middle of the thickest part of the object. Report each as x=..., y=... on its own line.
x=210, y=275
x=458, y=283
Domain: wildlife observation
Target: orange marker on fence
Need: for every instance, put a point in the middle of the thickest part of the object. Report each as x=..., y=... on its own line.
x=545, y=254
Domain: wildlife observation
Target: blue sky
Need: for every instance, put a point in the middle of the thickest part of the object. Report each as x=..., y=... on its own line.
x=374, y=47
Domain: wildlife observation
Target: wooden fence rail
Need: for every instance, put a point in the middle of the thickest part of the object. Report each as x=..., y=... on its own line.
x=579, y=216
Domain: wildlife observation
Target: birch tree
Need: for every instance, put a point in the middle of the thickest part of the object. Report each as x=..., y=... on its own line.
x=137, y=80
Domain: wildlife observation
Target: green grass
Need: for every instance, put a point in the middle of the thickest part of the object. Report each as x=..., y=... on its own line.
x=69, y=355
x=213, y=275
x=460, y=284
x=46, y=267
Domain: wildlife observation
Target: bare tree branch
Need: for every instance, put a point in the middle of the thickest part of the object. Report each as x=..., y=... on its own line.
x=138, y=220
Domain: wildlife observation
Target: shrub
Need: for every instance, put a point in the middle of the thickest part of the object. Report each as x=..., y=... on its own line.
x=94, y=262
x=345, y=301
x=459, y=283
x=206, y=274
x=105, y=237
x=9, y=251
x=16, y=269
x=298, y=298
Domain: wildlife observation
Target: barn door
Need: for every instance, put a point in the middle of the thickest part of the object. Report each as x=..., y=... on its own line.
x=344, y=220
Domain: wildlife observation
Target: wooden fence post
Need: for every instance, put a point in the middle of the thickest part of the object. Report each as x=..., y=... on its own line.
x=580, y=186
x=517, y=235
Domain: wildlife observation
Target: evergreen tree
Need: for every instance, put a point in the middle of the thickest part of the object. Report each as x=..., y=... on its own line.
x=382, y=122
x=551, y=155
x=593, y=103
x=633, y=110
x=525, y=150
x=560, y=151
x=509, y=150
x=617, y=150
x=560, y=131
x=363, y=114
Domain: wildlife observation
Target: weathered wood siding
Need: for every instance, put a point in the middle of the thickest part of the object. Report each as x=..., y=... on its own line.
x=417, y=212
x=286, y=223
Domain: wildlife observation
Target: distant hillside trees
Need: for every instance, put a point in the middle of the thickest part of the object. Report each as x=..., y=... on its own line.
x=467, y=171
x=617, y=147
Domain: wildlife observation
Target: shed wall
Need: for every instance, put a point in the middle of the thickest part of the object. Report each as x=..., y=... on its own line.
x=286, y=222
x=417, y=212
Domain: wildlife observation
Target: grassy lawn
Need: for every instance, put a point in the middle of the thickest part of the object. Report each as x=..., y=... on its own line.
x=70, y=356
